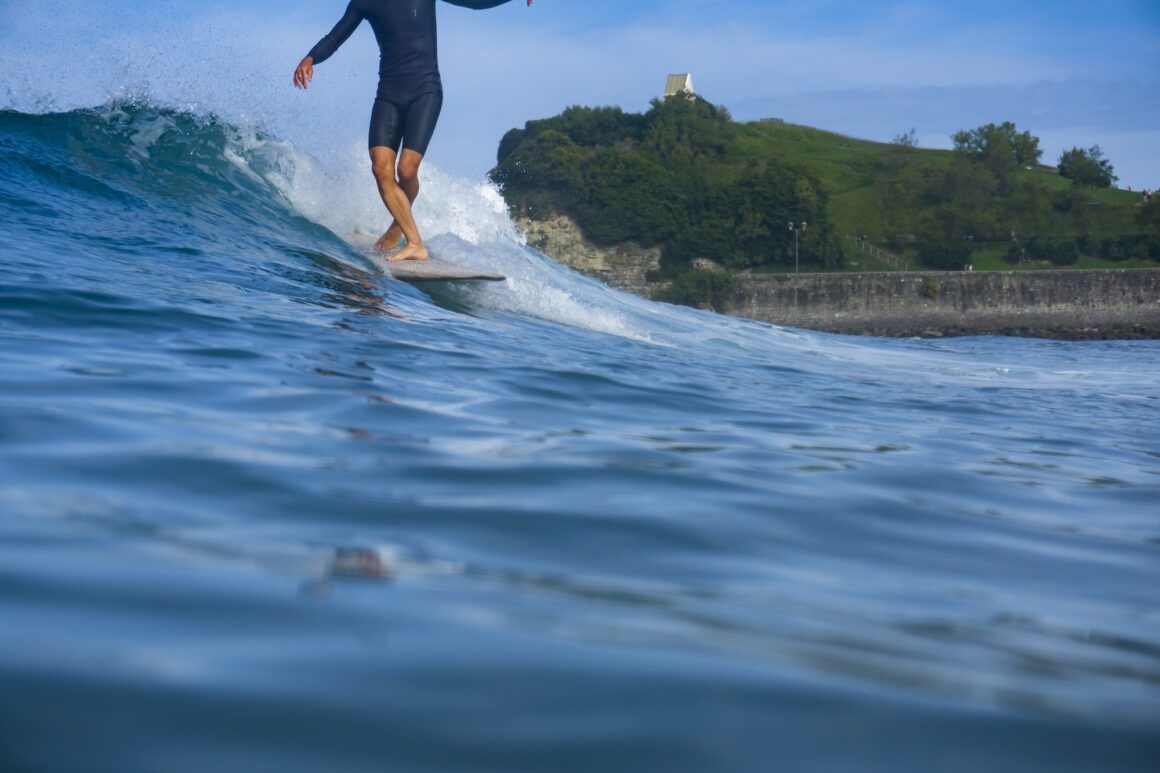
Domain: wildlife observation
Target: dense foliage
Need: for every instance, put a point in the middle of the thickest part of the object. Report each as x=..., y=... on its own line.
x=999, y=146
x=965, y=197
x=1123, y=247
x=982, y=193
x=684, y=176
x=1059, y=252
x=703, y=289
x=1087, y=167
x=666, y=178
x=945, y=256
x=1149, y=216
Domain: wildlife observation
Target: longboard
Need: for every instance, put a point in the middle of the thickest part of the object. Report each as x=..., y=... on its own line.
x=435, y=270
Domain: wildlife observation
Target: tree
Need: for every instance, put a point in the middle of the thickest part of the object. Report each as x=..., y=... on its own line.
x=688, y=128
x=906, y=139
x=661, y=179
x=1000, y=147
x=1087, y=167
x=588, y=127
x=599, y=126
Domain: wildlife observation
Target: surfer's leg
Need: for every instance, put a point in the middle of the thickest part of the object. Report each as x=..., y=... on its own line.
x=386, y=132
x=409, y=162
x=419, y=120
x=408, y=175
x=383, y=165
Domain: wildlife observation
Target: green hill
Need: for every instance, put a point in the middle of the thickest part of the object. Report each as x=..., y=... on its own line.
x=686, y=177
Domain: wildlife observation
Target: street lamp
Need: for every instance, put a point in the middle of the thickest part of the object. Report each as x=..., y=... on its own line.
x=797, y=229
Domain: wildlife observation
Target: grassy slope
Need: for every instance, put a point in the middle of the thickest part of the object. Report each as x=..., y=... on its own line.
x=847, y=168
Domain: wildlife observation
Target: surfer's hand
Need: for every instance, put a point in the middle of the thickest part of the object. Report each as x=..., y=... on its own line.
x=304, y=74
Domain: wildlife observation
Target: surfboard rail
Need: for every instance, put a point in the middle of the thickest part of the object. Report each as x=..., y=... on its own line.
x=436, y=270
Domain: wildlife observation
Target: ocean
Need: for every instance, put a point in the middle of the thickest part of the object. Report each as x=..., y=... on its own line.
x=264, y=508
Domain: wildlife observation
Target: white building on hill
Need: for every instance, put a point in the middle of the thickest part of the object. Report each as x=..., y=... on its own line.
x=679, y=84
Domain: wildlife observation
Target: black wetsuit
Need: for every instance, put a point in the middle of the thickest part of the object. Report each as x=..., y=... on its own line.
x=410, y=93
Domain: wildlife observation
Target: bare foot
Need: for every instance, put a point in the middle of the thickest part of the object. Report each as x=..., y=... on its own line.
x=410, y=252
x=390, y=240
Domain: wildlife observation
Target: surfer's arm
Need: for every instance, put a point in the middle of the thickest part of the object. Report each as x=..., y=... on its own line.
x=337, y=36
x=479, y=5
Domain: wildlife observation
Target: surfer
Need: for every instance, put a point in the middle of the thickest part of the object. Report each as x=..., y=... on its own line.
x=407, y=105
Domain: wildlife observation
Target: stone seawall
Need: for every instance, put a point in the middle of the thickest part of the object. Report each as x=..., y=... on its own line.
x=1072, y=304
x=1123, y=303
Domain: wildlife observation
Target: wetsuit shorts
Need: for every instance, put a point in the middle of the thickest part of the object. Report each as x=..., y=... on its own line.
x=410, y=88
x=410, y=124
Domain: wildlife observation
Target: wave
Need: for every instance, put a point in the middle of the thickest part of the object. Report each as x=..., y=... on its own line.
x=161, y=179
x=199, y=178
x=204, y=358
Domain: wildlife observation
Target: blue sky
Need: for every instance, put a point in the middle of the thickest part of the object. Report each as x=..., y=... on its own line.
x=1071, y=72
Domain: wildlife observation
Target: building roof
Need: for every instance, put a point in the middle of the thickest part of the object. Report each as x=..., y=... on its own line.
x=677, y=84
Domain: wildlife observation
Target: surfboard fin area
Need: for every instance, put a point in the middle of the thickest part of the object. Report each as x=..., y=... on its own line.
x=435, y=270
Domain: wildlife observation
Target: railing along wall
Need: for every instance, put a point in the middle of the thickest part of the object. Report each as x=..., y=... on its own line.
x=889, y=258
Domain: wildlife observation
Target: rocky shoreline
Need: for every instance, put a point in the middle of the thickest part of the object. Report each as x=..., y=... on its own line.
x=625, y=266
x=1060, y=304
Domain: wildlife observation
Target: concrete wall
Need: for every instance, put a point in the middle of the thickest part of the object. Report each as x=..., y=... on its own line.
x=1047, y=304
x=1122, y=303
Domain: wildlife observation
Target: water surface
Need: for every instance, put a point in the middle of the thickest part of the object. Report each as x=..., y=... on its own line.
x=265, y=508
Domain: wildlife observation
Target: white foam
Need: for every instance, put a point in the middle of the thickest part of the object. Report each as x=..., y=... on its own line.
x=466, y=222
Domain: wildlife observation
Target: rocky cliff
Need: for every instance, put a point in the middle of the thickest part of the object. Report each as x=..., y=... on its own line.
x=625, y=266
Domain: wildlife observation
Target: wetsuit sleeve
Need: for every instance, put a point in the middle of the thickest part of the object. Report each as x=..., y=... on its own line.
x=339, y=35
x=477, y=5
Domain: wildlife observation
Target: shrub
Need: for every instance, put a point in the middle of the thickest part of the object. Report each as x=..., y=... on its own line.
x=1149, y=216
x=945, y=256
x=1130, y=247
x=1061, y=252
x=703, y=288
x=1109, y=249
x=1064, y=253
